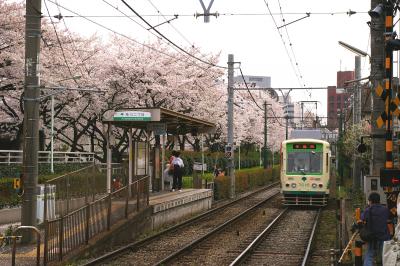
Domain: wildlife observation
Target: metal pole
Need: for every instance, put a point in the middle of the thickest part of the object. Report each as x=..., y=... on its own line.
x=287, y=125
x=109, y=158
x=239, y=156
x=52, y=136
x=302, y=115
x=265, y=135
x=202, y=153
x=376, y=76
x=130, y=161
x=31, y=115
x=162, y=160
x=231, y=166
x=357, y=121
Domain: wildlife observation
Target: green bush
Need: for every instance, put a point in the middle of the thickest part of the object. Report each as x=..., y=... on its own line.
x=245, y=179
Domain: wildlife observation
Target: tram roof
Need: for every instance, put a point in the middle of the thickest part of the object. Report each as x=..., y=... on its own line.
x=305, y=141
x=151, y=118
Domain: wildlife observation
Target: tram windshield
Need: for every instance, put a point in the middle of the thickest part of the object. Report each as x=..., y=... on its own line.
x=304, y=162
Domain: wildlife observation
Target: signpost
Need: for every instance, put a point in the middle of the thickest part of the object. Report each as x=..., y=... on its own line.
x=132, y=116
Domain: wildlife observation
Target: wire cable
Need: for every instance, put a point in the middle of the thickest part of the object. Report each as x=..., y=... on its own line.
x=172, y=26
x=60, y=44
x=291, y=46
x=123, y=35
x=166, y=38
x=284, y=44
x=232, y=14
x=251, y=95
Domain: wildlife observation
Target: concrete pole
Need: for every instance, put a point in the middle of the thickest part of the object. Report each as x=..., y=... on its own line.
x=162, y=160
x=31, y=115
x=231, y=166
x=109, y=159
x=377, y=75
x=130, y=158
x=52, y=136
x=202, y=153
x=265, y=135
x=357, y=121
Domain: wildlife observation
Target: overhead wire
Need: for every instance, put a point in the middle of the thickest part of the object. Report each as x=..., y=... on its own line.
x=291, y=46
x=60, y=44
x=233, y=14
x=284, y=44
x=123, y=35
x=172, y=26
x=166, y=38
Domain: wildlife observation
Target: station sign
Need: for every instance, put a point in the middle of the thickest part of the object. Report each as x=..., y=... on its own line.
x=199, y=167
x=132, y=116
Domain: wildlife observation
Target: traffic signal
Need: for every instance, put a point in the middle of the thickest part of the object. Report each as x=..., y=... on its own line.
x=390, y=177
x=228, y=151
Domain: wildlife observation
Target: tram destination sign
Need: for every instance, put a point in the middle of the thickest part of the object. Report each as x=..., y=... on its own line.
x=132, y=116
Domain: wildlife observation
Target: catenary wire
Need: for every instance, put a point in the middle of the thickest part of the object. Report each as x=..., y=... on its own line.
x=123, y=35
x=284, y=44
x=172, y=26
x=166, y=38
x=60, y=44
x=231, y=14
x=251, y=95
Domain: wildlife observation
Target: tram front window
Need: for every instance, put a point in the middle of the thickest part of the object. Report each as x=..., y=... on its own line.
x=304, y=163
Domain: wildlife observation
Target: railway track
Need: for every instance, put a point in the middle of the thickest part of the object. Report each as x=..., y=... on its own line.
x=285, y=241
x=154, y=249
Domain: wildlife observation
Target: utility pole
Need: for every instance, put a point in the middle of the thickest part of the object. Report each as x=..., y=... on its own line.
x=231, y=166
x=376, y=77
x=357, y=121
x=31, y=114
x=265, y=134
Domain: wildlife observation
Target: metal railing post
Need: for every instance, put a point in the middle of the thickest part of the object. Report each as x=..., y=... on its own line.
x=126, y=200
x=46, y=244
x=137, y=195
x=45, y=202
x=37, y=243
x=109, y=212
x=87, y=224
x=147, y=190
x=14, y=249
x=67, y=194
x=60, y=238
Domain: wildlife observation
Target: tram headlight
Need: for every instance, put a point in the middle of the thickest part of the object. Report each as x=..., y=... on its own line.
x=287, y=185
x=314, y=185
x=320, y=185
x=293, y=185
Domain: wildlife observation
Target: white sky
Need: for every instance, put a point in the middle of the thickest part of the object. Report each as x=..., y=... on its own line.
x=254, y=40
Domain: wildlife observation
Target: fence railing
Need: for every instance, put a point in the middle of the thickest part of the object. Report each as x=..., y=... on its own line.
x=74, y=229
x=15, y=157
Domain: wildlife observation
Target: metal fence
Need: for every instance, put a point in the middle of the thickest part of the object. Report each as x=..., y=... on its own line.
x=15, y=157
x=74, y=229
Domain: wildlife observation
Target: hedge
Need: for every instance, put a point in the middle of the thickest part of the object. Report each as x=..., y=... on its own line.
x=245, y=180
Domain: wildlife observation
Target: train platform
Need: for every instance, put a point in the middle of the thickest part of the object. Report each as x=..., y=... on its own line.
x=170, y=207
x=164, y=208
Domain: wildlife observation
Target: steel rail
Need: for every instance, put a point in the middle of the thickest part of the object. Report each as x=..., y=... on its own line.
x=310, y=240
x=239, y=259
x=214, y=231
x=138, y=244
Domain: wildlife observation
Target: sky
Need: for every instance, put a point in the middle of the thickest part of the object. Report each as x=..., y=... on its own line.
x=249, y=33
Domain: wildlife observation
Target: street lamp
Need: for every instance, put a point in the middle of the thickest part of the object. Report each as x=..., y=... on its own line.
x=59, y=89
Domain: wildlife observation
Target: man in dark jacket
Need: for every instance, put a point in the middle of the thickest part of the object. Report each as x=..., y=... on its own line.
x=376, y=217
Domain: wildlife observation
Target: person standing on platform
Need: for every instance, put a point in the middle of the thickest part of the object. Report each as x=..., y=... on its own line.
x=178, y=172
x=376, y=217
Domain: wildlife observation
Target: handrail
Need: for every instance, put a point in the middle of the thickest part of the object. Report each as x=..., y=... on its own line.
x=37, y=242
x=67, y=174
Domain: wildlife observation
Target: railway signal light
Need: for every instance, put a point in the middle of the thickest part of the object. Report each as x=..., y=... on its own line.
x=390, y=177
x=228, y=152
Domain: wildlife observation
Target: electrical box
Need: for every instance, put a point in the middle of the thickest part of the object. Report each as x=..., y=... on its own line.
x=372, y=184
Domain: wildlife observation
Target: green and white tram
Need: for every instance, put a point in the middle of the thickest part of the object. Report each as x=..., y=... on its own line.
x=305, y=172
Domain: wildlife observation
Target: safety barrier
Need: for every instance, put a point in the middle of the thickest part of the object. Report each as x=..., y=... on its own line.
x=15, y=157
x=74, y=229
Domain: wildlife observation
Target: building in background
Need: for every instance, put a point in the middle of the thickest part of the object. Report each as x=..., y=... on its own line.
x=255, y=81
x=338, y=99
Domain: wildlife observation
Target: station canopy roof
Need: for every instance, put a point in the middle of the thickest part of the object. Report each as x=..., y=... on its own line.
x=158, y=120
